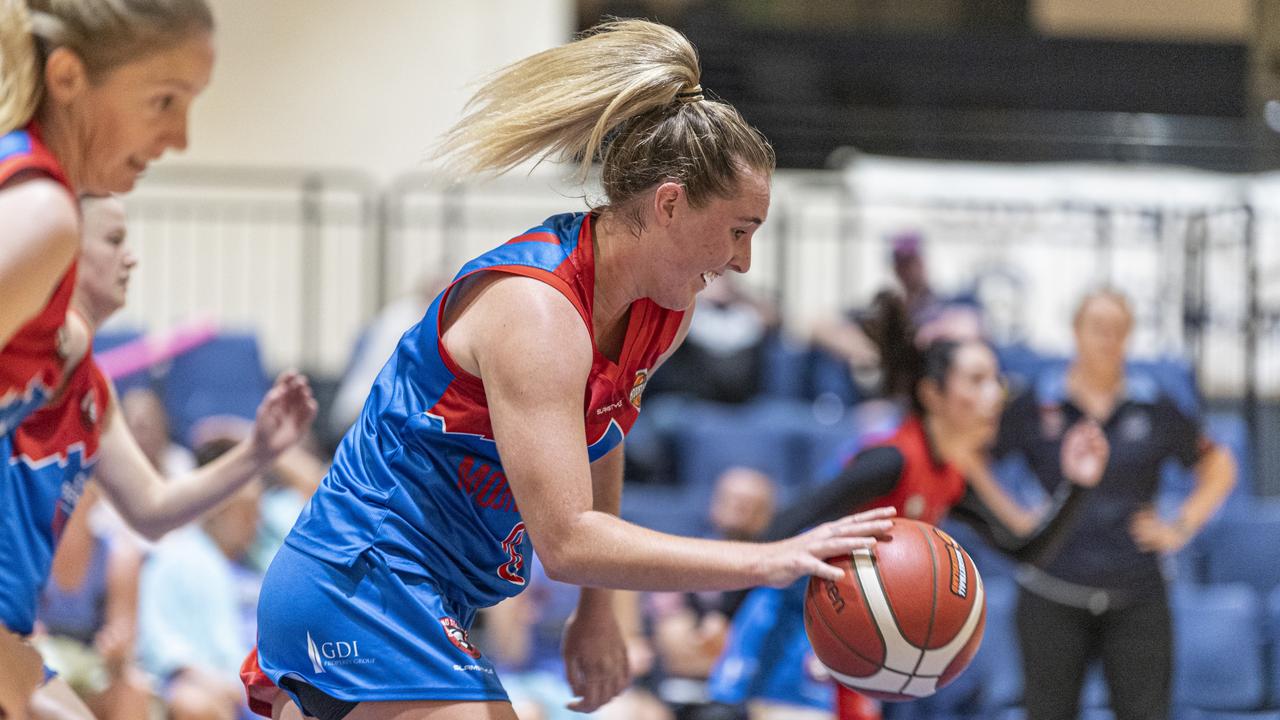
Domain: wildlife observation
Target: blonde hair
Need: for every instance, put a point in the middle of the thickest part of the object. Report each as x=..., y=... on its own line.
x=1115, y=295
x=626, y=93
x=104, y=34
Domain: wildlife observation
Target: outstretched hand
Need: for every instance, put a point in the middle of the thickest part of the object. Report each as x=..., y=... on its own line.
x=1084, y=454
x=284, y=416
x=806, y=553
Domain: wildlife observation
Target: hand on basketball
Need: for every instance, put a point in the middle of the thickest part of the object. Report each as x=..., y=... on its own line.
x=1084, y=454
x=284, y=416
x=1151, y=534
x=595, y=659
x=806, y=553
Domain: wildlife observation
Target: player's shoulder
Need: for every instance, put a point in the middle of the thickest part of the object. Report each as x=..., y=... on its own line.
x=38, y=196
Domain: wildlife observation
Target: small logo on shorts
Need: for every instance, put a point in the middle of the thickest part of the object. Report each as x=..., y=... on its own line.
x=336, y=652
x=458, y=637
x=314, y=653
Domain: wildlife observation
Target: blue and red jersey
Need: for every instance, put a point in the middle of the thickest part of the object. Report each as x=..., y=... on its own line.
x=48, y=459
x=31, y=365
x=50, y=420
x=418, y=478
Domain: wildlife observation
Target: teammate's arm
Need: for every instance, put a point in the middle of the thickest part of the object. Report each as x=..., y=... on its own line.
x=41, y=240
x=154, y=506
x=534, y=355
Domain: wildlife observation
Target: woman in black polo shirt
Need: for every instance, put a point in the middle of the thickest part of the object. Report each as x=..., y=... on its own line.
x=1103, y=595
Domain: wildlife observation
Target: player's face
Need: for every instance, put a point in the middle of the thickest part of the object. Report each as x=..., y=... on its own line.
x=137, y=111
x=974, y=394
x=1102, y=333
x=106, y=260
x=710, y=241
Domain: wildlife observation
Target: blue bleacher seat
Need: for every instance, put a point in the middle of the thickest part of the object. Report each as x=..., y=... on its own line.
x=222, y=377
x=785, y=367
x=1244, y=547
x=1218, y=647
x=998, y=663
x=1273, y=636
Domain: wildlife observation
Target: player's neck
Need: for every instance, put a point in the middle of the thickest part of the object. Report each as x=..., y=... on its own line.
x=616, y=267
x=58, y=136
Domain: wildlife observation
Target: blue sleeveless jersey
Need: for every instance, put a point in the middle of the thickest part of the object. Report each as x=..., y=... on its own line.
x=418, y=479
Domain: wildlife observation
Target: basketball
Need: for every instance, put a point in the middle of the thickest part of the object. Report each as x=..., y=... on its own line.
x=906, y=618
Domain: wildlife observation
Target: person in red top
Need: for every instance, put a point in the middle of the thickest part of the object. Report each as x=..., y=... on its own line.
x=927, y=468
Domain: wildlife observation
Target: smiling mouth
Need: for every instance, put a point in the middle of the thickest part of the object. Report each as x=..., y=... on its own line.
x=709, y=277
x=137, y=167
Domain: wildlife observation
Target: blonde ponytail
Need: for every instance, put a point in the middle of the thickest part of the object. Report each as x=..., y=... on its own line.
x=626, y=93
x=20, y=83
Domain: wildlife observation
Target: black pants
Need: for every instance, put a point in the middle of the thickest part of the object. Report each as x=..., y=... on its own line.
x=1134, y=642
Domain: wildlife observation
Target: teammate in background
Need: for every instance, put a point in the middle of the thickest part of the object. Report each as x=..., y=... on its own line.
x=80, y=433
x=931, y=466
x=498, y=422
x=1104, y=596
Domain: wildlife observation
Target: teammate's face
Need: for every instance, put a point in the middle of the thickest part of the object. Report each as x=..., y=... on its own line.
x=136, y=112
x=106, y=260
x=1102, y=333
x=973, y=398
x=707, y=242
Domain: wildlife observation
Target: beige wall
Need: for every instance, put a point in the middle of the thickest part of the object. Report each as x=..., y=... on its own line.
x=367, y=85
x=1209, y=20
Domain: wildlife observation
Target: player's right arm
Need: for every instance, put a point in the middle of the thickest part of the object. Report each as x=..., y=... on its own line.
x=533, y=353
x=41, y=238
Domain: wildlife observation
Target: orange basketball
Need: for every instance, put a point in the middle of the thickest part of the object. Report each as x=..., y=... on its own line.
x=906, y=618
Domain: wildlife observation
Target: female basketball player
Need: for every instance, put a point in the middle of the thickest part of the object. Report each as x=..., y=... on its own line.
x=80, y=433
x=93, y=91
x=1104, y=597
x=90, y=92
x=497, y=425
x=928, y=468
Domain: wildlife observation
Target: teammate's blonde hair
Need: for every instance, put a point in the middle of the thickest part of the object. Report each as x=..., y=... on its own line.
x=626, y=94
x=103, y=33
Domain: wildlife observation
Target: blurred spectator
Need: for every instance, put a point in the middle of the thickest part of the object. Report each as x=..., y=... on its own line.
x=849, y=337
x=1103, y=596
x=722, y=359
x=198, y=606
x=377, y=341
x=87, y=619
x=522, y=636
x=690, y=628
x=145, y=415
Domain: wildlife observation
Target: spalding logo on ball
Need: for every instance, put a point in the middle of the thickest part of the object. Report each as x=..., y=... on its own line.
x=906, y=618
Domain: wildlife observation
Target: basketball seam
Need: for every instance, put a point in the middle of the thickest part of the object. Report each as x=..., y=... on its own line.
x=893, y=613
x=871, y=612
x=933, y=600
x=831, y=631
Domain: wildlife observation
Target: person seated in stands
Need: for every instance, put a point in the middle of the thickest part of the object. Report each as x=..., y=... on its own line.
x=690, y=628
x=848, y=337
x=87, y=617
x=198, y=605
x=722, y=359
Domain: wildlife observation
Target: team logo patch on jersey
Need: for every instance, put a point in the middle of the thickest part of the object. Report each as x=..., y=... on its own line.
x=914, y=506
x=637, y=387
x=459, y=638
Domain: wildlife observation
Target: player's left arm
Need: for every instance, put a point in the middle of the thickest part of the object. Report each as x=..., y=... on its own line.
x=1215, y=477
x=595, y=654
x=154, y=506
